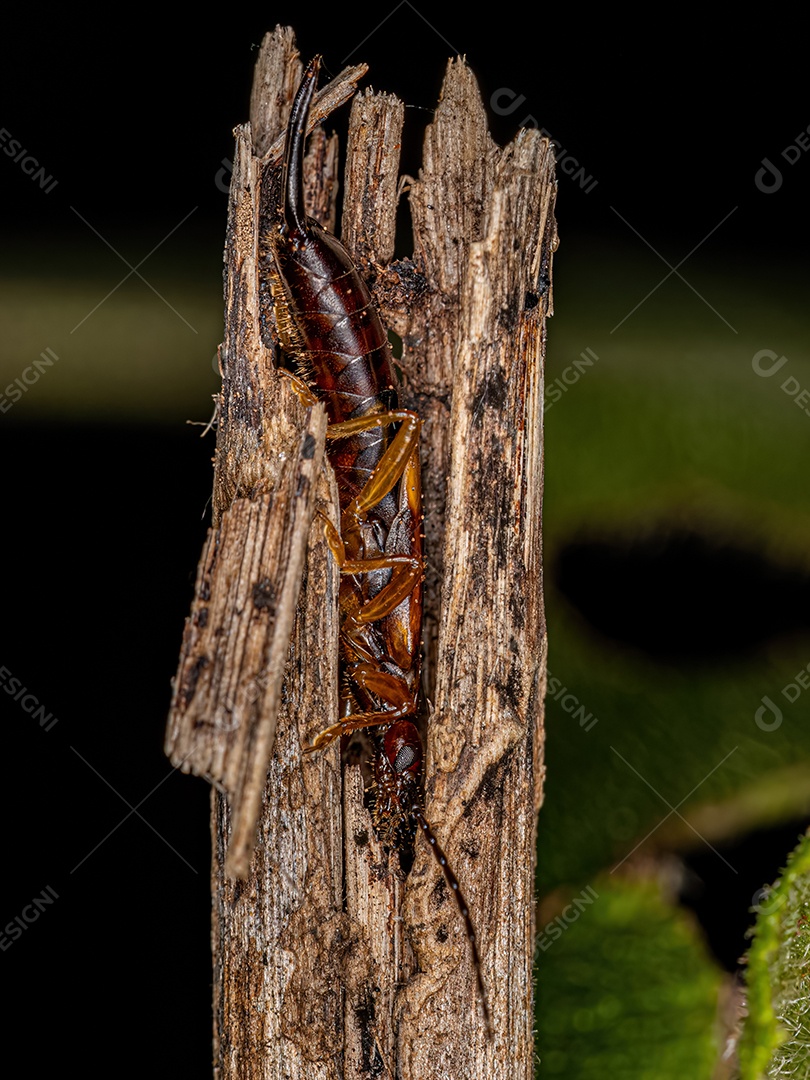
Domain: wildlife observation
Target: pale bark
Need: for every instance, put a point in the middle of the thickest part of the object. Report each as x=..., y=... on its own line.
x=327, y=963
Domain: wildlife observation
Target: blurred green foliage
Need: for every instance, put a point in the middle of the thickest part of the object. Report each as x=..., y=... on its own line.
x=671, y=427
x=776, y=1036
x=128, y=347
x=625, y=990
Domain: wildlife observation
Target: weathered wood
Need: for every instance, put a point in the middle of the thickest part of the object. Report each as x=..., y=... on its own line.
x=227, y=691
x=270, y=450
x=485, y=739
x=283, y=947
x=327, y=962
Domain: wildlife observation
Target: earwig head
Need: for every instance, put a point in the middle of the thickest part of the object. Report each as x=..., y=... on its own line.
x=396, y=788
x=403, y=748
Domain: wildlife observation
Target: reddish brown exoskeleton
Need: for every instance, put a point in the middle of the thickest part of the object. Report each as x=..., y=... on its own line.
x=329, y=327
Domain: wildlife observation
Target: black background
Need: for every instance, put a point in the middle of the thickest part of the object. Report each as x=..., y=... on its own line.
x=672, y=120
x=104, y=522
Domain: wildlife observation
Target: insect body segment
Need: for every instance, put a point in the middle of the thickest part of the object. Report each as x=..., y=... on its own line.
x=330, y=327
x=328, y=324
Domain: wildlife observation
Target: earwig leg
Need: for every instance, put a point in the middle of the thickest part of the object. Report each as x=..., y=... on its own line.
x=304, y=393
x=333, y=539
x=386, y=687
x=398, y=463
x=363, y=566
x=352, y=723
x=392, y=464
x=407, y=572
x=403, y=581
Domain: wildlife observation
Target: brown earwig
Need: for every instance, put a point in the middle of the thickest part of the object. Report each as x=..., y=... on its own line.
x=329, y=327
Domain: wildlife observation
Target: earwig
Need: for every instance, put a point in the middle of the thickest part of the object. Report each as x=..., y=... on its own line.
x=329, y=327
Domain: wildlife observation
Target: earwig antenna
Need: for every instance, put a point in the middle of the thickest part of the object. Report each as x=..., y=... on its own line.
x=452, y=881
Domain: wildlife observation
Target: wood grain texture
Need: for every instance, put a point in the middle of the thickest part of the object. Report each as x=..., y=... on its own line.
x=327, y=962
x=270, y=452
x=485, y=738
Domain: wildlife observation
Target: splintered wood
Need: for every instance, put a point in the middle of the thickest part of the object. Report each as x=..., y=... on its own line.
x=327, y=962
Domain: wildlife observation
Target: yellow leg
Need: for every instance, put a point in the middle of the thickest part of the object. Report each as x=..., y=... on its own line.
x=399, y=461
x=393, y=463
x=387, y=687
x=407, y=571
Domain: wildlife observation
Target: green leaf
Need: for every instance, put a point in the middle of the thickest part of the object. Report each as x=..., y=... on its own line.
x=671, y=426
x=776, y=1035
x=625, y=989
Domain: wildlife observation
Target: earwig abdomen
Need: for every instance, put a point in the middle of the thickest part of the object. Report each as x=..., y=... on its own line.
x=329, y=326
x=327, y=320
